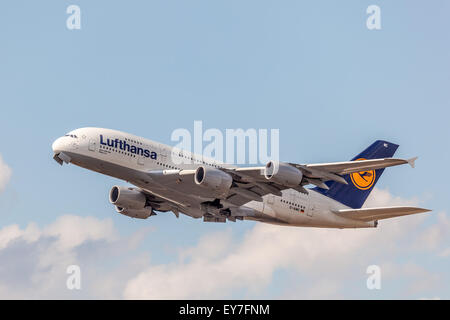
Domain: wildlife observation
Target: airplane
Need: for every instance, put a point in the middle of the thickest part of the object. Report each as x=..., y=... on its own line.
x=200, y=187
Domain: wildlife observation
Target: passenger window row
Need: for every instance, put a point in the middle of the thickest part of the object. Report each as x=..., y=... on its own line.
x=193, y=159
x=167, y=166
x=134, y=141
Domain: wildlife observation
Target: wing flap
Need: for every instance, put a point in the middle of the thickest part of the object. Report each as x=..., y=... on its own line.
x=370, y=214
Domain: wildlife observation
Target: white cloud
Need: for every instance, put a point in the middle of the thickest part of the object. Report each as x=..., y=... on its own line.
x=417, y=278
x=382, y=197
x=326, y=255
x=34, y=260
x=435, y=235
x=5, y=174
x=319, y=263
x=445, y=253
x=72, y=231
x=13, y=232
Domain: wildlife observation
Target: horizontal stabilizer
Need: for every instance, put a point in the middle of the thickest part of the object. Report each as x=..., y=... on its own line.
x=412, y=162
x=370, y=214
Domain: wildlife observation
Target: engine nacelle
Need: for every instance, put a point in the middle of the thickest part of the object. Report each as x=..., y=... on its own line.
x=128, y=198
x=217, y=181
x=134, y=213
x=283, y=173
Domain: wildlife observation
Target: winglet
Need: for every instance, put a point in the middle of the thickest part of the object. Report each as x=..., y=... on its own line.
x=412, y=162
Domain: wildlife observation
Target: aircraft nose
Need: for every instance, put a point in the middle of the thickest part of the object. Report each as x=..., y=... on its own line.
x=58, y=145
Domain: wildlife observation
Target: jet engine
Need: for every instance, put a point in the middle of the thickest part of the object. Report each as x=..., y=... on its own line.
x=283, y=173
x=125, y=197
x=217, y=181
x=130, y=202
x=136, y=213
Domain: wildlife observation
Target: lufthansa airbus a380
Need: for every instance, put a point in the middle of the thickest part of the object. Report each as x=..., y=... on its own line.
x=276, y=193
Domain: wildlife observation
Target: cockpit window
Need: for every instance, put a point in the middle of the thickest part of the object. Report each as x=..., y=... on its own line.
x=71, y=135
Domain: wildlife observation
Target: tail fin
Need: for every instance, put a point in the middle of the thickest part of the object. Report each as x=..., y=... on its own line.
x=360, y=184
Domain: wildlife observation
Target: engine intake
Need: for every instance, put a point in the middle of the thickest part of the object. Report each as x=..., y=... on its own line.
x=283, y=173
x=218, y=181
x=128, y=198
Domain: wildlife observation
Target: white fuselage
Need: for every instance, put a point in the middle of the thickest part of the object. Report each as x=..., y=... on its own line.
x=131, y=158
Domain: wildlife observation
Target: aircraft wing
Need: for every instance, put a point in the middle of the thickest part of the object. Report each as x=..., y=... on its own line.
x=160, y=203
x=371, y=214
x=249, y=183
x=342, y=168
x=316, y=174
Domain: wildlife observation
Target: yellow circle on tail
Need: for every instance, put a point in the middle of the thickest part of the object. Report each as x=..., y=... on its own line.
x=363, y=180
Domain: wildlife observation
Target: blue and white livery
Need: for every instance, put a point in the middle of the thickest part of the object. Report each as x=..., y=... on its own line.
x=276, y=193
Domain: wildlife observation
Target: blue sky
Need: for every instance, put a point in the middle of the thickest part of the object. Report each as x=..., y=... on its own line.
x=311, y=69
